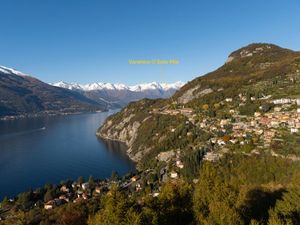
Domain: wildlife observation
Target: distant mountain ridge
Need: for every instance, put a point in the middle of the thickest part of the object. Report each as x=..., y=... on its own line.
x=24, y=95
x=119, y=95
x=110, y=86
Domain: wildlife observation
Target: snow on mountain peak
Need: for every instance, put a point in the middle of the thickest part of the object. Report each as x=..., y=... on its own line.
x=7, y=70
x=109, y=86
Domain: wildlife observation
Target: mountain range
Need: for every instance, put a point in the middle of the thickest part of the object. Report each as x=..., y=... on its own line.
x=119, y=95
x=24, y=95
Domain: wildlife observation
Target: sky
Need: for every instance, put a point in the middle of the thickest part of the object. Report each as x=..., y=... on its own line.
x=92, y=41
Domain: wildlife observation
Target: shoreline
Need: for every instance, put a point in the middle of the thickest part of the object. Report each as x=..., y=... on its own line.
x=43, y=114
x=101, y=136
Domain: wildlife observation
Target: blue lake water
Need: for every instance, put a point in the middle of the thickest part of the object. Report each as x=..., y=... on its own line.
x=37, y=151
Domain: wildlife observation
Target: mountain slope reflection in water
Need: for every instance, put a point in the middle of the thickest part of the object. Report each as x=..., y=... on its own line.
x=37, y=151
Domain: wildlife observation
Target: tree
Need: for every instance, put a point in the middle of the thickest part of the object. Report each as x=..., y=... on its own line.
x=25, y=200
x=4, y=202
x=91, y=181
x=80, y=180
x=287, y=210
x=214, y=198
x=175, y=203
x=114, y=175
x=117, y=210
x=49, y=195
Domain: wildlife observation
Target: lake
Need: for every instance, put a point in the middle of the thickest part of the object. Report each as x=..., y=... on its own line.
x=37, y=151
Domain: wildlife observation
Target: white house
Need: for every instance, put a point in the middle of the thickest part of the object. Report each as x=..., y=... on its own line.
x=294, y=130
x=85, y=186
x=173, y=175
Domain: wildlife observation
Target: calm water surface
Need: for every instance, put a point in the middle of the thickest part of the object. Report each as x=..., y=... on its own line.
x=37, y=151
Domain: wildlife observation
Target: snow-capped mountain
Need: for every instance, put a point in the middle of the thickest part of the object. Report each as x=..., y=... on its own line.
x=109, y=86
x=121, y=94
x=23, y=94
x=11, y=71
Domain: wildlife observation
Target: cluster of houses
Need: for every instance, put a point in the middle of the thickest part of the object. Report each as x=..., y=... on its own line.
x=77, y=192
x=188, y=112
x=172, y=157
x=285, y=114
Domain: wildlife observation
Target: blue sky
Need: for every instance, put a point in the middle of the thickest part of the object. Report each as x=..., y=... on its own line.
x=92, y=41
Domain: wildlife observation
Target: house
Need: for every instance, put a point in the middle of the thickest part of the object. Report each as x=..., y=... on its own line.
x=253, y=123
x=155, y=194
x=228, y=99
x=64, y=189
x=186, y=111
x=98, y=190
x=210, y=156
x=258, y=131
x=74, y=184
x=53, y=203
x=179, y=164
x=268, y=135
x=257, y=114
x=202, y=124
x=274, y=123
x=277, y=109
x=134, y=178
x=282, y=101
x=294, y=130
x=233, y=141
x=64, y=198
x=224, y=122
x=195, y=181
x=85, y=186
x=85, y=196
x=138, y=187
x=49, y=205
x=221, y=142
x=173, y=175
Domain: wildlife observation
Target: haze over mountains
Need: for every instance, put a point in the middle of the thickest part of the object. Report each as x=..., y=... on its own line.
x=119, y=95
